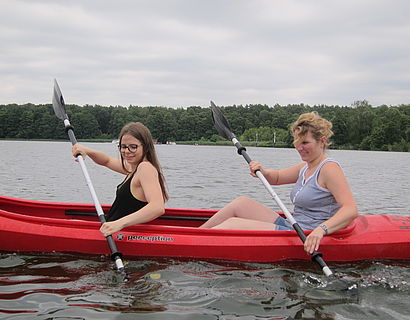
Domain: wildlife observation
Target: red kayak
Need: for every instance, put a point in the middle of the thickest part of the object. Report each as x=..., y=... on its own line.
x=36, y=226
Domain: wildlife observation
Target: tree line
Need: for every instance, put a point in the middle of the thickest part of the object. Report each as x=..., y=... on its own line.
x=359, y=126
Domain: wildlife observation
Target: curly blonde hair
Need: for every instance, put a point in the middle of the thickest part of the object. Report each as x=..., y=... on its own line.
x=312, y=122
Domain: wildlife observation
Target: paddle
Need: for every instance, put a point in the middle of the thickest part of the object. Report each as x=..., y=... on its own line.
x=59, y=110
x=225, y=131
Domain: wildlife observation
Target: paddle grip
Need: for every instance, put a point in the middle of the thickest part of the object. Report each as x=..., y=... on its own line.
x=115, y=254
x=113, y=247
x=114, y=251
x=72, y=136
x=241, y=150
x=69, y=129
x=316, y=256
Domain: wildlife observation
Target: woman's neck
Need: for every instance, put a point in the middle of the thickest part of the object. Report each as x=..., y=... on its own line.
x=314, y=163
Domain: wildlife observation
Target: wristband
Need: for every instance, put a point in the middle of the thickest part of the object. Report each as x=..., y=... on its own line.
x=325, y=229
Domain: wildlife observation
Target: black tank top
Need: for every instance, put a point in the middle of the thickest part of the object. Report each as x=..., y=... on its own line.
x=124, y=203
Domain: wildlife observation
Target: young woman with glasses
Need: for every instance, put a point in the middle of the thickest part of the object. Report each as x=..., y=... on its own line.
x=141, y=196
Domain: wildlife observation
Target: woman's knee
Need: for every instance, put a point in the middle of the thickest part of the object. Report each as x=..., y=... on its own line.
x=230, y=223
x=242, y=200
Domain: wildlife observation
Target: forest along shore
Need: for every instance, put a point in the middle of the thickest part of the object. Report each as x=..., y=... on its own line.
x=357, y=127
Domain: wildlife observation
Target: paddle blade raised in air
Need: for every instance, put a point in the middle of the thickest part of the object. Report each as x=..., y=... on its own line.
x=220, y=123
x=58, y=102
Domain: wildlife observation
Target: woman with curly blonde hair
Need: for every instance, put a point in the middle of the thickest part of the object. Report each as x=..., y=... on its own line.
x=323, y=201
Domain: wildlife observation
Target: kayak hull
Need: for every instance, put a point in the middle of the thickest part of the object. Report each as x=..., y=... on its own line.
x=37, y=226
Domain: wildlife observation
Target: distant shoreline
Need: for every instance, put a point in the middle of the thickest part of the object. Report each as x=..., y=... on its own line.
x=262, y=144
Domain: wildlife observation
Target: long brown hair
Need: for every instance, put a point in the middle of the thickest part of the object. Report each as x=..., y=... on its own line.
x=142, y=133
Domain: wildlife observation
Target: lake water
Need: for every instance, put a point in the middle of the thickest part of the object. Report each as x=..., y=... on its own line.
x=77, y=287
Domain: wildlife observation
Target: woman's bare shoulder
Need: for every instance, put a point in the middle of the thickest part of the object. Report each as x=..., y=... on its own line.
x=146, y=167
x=332, y=168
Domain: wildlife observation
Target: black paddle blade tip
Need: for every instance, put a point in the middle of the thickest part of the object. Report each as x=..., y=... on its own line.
x=58, y=101
x=125, y=276
x=220, y=123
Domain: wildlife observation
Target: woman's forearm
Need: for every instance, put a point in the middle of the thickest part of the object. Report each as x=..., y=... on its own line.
x=341, y=219
x=146, y=214
x=98, y=157
x=272, y=176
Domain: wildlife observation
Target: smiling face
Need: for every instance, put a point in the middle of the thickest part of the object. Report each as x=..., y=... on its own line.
x=308, y=147
x=128, y=143
x=311, y=135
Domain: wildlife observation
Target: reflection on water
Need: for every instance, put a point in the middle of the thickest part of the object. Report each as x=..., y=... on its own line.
x=62, y=286
x=77, y=287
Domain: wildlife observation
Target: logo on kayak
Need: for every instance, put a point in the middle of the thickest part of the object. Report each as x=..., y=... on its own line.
x=121, y=236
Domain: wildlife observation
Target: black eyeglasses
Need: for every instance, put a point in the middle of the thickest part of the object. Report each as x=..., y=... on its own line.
x=131, y=147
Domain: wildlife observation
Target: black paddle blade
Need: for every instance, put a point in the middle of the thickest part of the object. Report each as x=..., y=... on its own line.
x=58, y=102
x=220, y=123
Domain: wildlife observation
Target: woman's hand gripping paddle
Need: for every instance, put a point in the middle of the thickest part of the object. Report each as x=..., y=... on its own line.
x=59, y=109
x=224, y=130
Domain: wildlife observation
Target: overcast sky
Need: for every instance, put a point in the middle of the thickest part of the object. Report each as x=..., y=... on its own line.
x=182, y=53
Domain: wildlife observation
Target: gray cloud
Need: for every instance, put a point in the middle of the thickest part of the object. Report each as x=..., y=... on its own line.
x=182, y=53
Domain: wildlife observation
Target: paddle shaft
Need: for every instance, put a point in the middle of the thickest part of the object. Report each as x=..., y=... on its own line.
x=115, y=254
x=316, y=256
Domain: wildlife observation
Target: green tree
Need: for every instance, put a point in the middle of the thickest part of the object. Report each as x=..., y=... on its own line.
x=358, y=126
x=86, y=126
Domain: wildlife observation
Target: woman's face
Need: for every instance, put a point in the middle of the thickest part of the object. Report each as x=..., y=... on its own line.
x=308, y=147
x=131, y=149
